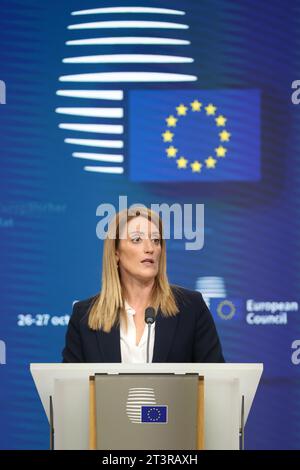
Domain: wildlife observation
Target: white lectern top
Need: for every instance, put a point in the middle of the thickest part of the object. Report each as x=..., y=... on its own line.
x=246, y=375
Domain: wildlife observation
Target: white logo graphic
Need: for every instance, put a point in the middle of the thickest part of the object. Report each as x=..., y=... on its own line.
x=296, y=354
x=2, y=352
x=295, y=95
x=211, y=287
x=106, y=119
x=270, y=312
x=138, y=397
x=183, y=216
x=2, y=92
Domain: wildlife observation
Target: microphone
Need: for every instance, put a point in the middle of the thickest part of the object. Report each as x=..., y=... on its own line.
x=149, y=319
x=149, y=315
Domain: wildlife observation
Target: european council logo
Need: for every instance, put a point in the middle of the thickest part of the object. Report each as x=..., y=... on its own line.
x=194, y=135
x=141, y=407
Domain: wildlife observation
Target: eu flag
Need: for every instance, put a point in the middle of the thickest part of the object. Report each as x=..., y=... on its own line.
x=227, y=309
x=194, y=135
x=154, y=414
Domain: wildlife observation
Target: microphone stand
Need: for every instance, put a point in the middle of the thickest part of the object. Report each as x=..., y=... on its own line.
x=148, y=341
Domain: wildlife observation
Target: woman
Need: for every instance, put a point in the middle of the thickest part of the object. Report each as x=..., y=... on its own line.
x=110, y=327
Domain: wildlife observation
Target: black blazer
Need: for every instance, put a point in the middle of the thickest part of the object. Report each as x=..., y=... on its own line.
x=190, y=336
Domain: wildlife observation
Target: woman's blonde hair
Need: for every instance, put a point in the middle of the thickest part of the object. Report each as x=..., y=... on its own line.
x=109, y=304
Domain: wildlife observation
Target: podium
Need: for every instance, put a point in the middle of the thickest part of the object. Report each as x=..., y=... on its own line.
x=159, y=405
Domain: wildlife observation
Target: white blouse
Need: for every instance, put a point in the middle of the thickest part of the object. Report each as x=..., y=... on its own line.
x=130, y=353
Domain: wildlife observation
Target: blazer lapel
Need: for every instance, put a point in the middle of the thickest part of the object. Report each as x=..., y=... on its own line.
x=109, y=345
x=164, y=336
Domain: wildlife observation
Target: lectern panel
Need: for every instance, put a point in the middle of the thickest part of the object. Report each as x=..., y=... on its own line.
x=146, y=411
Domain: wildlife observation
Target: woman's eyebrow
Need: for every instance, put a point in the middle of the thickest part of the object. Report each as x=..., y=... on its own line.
x=136, y=232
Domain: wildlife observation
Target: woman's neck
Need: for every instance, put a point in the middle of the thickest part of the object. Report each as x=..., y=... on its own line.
x=137, y=293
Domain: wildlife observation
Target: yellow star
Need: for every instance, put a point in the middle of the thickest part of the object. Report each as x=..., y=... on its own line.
x=221, y=151
x=168, y=136
x=220, y=120
x=210, y=162
x=210, y=109
x=171, y=121
x=182, y=162
x=171, y=151
x=196, y=105
x=181, y=110
x=224, y=136
x=196, y=166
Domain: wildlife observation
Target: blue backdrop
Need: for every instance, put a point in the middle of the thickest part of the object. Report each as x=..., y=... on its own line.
x=59, y=163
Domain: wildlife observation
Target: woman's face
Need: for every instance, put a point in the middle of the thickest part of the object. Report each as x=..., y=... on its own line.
x=139, y=249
